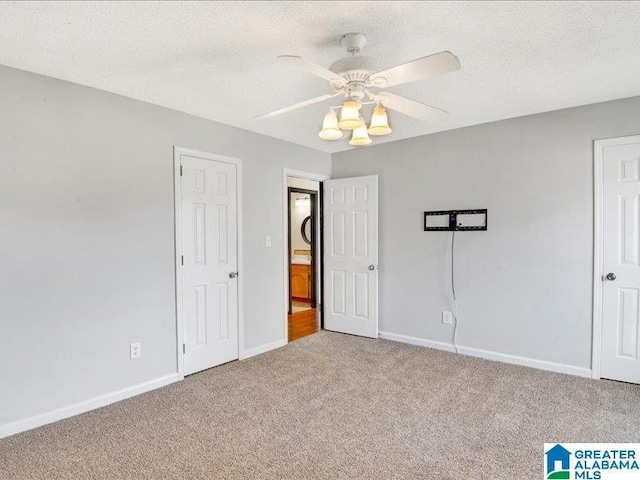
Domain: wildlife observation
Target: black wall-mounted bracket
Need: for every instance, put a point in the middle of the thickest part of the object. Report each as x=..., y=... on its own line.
x=458, y=220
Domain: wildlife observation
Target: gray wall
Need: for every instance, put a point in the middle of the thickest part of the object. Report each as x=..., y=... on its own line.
x=87, y=238
x=524, y=287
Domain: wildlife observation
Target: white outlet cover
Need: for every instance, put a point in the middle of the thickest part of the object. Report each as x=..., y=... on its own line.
x=135, y=350
x=447, y=317
x=267, y=241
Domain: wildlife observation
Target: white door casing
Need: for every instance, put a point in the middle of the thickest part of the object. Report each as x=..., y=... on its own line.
x=619, y=271
x=286, y=174
x=208, y=274
x=351, y=255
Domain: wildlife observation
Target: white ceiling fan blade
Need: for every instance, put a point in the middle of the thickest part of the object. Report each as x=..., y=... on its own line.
x=411, y=107
x=425, y=67
x=298, y=105
x=317, y=70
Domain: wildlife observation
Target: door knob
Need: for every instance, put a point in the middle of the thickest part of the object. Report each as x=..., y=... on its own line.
x=372, y=267
x=233, y=275
x=610, y=276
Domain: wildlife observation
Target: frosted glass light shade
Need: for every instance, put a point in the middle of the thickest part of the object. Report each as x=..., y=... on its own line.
x=350, y=115
x=360, y=137
x=330, y=130
x=379, y=121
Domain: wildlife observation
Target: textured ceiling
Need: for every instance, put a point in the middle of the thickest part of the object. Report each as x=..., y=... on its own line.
x=218, y=59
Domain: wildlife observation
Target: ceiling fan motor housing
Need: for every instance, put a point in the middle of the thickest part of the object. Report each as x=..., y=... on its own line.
x=356, y=69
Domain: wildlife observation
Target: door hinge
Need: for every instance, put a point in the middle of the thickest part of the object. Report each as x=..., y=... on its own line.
x=184, y=348
x=180, y=170
x=182, y=260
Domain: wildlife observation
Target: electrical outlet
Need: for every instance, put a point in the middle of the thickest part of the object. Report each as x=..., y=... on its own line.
x=447, y=317
x=267, y=241
x=135, y=350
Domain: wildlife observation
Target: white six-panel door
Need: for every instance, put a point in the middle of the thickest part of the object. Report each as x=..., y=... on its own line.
x=210, y=262
x=620, y=356
x=351, y=255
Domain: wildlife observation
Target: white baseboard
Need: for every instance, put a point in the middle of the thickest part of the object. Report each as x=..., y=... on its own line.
x=252, y=352
x=420, y=342
x=96, y=402
x=527, y=362
x=488, y=355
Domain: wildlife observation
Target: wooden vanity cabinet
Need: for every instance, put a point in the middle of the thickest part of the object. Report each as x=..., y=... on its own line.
x=301, y=282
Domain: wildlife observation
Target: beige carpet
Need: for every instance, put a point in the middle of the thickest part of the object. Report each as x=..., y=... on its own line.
x=334, y=406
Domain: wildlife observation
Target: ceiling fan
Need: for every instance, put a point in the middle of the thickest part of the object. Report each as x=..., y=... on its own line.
x=357, y=79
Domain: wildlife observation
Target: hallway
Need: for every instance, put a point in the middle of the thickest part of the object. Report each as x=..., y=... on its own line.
x=302, y=324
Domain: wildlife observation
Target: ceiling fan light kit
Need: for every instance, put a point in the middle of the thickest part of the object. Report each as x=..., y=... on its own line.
x=330, y=129
x=353, y=78
x=379, y=122
x=350, y=118
x=360, y=137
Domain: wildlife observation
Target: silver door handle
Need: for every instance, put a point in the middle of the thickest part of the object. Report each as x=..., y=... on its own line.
x=233, y=275
x=610, y=276
x=372, y=267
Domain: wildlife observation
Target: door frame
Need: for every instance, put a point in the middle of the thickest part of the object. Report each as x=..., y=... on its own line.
x=313, y=213
x=178, y=152
x=288, y=172
x=598, y=231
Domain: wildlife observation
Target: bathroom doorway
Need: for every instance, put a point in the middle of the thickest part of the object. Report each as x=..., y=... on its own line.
x=303, y=247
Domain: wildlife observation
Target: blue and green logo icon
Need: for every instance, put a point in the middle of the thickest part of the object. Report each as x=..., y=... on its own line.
x=558, y=460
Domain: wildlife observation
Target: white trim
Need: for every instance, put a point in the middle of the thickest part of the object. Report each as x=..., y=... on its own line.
x=288, y=172
x=598, y=197
x=420, y=342
x=264, y=348
x=596, y=345
x=178, y=152
x=526, y=362
x=488, y=355
x=96, y=402
x=177, y=230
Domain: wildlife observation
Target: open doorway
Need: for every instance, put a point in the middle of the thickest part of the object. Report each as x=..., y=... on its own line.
x=303, y=257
